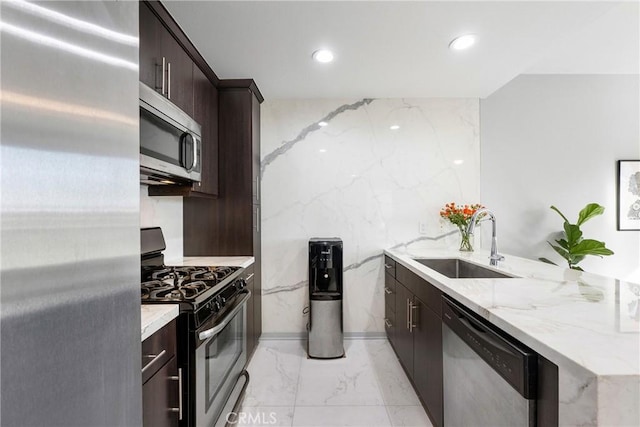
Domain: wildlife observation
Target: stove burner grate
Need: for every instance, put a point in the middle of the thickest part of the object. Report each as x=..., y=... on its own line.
x=181, y=283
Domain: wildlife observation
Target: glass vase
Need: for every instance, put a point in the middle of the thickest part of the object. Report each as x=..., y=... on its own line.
x=466, y=243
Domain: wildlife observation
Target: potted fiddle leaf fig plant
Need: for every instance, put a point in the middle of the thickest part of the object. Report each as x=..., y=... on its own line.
x=572, y=246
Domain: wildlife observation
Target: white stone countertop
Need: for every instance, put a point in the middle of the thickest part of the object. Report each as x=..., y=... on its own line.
x=586, y=324
x=213, y=261
x=155, y=316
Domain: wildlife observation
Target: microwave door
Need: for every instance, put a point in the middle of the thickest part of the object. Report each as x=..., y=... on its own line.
x=158, y=138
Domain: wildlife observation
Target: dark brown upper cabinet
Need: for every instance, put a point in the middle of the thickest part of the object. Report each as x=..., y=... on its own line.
x=166, y=53
x=205, y=106
x=164, y=64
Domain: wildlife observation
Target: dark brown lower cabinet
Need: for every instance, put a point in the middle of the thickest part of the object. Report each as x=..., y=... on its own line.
x=417, y=338
x=160, y=405
x=404, y=337
x=427, y=359
x=160, y=379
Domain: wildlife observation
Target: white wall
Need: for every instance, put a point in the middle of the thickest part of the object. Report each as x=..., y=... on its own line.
x=358, y=180
x=554, y=140
x=164, y=212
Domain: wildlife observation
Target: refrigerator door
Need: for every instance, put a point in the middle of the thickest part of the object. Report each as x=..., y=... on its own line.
x=69, y=214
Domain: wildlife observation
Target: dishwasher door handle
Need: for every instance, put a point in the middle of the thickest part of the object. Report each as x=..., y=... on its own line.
x=485, y=336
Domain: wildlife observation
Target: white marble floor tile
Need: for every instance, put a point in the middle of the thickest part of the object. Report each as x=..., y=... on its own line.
x=392, y=380
x=274, y=371
x=289, y=389
x=346, y=381
x=339, y=416
x=408, y=416
x=264, y=416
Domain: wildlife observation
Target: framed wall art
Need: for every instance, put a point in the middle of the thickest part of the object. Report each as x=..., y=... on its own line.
x=628, y=195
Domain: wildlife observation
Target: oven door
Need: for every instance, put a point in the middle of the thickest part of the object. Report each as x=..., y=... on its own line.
x=221, y=355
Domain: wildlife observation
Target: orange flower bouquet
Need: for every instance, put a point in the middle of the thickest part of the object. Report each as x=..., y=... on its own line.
x=460, y=217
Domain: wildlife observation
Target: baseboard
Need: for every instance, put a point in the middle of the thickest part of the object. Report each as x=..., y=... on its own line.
x=266, y=336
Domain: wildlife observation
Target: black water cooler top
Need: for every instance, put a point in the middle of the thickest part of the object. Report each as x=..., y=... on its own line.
x=325, y=268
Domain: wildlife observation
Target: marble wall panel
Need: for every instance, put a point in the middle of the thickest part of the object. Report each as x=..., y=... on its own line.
x=359, y=180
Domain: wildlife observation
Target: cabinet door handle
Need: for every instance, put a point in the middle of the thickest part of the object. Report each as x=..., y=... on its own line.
x=163, y=84
x=155, y=357
x=168, y=80
x=249, y=277
x=386, y=322
x=387, y=265
x=408, y=313
x=387, y=291
x=179, y=408
x=412, y=307
x=257, y=219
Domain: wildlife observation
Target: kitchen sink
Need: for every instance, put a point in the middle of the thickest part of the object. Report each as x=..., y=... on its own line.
x=455, y=268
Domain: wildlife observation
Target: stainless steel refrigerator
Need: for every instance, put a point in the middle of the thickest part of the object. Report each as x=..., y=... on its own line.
x=69, y=214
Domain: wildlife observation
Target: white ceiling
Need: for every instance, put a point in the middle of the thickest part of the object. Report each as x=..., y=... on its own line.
x=400, y=49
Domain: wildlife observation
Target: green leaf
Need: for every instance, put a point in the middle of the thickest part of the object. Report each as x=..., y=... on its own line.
x=563, y=243
x=559, y=213
x=574, y=235
x=575, y=259
x=589, y=211
x=578, y=258
x=591, y=247
x=548, y=261
x=563, y=253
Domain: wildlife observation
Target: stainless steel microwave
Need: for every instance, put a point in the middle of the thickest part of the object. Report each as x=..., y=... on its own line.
x=170, y=142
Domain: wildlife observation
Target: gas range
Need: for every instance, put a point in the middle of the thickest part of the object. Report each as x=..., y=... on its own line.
x=204, y=291
x=211, y=329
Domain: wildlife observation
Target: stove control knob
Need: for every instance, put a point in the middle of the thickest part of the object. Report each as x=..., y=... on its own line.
x=217, y=305
x=241, y=284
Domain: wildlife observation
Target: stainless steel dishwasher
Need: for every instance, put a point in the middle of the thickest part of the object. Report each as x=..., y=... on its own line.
x=490, y=379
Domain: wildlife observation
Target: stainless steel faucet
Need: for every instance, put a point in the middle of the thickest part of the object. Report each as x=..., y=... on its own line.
x=494, y=257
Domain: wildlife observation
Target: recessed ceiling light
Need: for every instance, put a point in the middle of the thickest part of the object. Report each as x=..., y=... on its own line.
x=394, y=127
x=323, y=55
x=458, y=162
x=322, y=150
x=463, y=42
x=323, y=124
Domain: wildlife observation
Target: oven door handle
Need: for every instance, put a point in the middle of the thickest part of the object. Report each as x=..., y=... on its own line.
x=204, y=335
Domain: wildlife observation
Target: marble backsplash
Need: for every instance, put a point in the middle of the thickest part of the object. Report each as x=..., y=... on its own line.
x=360, y=180
x=164, y=212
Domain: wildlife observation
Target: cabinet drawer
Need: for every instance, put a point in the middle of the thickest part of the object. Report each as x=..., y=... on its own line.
x=424, y=290
x=389, y=266
x=157, y=350
x=161, y=397
x=390, y=292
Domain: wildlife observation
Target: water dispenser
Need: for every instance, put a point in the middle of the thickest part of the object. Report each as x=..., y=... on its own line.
x=326, y=333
